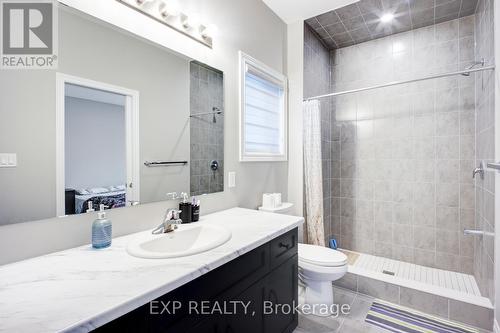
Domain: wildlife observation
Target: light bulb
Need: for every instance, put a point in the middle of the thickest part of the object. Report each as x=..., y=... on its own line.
x=386, y=18
x=169, y=8
x=209, y=31
x=191, y=21
x=143, y=2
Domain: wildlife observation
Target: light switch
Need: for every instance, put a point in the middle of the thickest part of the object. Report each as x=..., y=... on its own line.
x=8, y=160
x=231, y=179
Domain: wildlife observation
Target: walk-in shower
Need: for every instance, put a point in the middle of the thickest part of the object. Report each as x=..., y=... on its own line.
x=407, y=110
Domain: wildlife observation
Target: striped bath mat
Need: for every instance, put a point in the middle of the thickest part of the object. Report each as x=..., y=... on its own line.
x=400, y=319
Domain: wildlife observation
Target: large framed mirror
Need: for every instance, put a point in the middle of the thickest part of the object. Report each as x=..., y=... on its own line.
x=121, y=121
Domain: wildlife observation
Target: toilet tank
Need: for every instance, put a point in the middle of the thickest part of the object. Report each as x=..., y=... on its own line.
x=286, y=208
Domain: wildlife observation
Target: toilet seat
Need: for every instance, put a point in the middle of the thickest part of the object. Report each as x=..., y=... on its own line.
x=320, y=257
x=318, y=273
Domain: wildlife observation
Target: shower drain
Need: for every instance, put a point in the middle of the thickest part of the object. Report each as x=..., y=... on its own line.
x=388, y=272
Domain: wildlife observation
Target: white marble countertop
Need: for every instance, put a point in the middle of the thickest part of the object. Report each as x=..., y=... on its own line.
x=80, y=289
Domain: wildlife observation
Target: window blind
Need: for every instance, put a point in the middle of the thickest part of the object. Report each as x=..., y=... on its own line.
x=264, y=112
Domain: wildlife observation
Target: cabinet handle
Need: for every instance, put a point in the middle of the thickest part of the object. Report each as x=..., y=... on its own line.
x=286, y=246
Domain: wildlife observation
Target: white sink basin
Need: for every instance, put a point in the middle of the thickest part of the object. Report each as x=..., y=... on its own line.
x=187, y=240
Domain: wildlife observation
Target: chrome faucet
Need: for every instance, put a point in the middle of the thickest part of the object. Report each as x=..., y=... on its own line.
x=170, y=222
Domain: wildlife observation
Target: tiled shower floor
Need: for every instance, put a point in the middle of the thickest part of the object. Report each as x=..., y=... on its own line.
x=458, y=282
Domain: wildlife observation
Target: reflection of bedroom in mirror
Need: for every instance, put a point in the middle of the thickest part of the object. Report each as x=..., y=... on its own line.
x=97, y=147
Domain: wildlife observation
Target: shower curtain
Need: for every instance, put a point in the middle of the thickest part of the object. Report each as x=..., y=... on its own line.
x=313, y=178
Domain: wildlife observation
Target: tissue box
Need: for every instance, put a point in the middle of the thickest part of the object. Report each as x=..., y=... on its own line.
x=271, y=200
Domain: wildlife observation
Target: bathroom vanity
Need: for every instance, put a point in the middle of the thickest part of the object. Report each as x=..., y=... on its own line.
x=230, y=298
x=83, y=290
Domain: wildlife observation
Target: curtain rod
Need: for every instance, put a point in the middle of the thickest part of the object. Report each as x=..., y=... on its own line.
x=395, y=83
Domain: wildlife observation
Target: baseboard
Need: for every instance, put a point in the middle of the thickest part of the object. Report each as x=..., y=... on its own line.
x=496, y=327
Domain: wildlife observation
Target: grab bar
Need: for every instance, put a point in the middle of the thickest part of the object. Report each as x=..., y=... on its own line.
x=164, y=163
x=215, y=110
x=473, y=232
x=478, y=233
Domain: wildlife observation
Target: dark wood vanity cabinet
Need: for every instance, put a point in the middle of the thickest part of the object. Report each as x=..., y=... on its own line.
x=266, y=276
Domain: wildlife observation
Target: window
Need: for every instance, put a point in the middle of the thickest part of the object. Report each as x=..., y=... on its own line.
x=263, y=116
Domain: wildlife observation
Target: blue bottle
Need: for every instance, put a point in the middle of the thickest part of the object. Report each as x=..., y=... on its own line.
x=101, y=230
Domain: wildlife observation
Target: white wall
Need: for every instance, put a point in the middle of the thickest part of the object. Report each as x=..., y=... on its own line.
x=94, y=144
x=238, y=30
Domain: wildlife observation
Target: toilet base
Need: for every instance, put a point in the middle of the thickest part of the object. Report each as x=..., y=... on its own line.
x=318, y=295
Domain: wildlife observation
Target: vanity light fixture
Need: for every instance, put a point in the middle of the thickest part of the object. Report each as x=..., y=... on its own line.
x=168, y=13
x=191, y=22
x=143, y=2
x=169, y=8
x=185, y=22
x=209, y=31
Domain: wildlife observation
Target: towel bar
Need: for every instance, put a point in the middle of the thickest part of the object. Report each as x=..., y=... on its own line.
x=164, y=163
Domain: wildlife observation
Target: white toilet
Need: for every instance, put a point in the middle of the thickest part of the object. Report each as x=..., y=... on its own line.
x=318, y=267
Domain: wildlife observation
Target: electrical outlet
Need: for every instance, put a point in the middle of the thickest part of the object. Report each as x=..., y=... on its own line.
x=8, y=160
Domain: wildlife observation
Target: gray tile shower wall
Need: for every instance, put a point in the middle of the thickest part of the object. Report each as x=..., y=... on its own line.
x=316, y=82
x=207, y=137
x=485, y=151
x=401, y=158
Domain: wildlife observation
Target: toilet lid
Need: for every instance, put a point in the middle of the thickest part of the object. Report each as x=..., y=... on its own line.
x=321, y=256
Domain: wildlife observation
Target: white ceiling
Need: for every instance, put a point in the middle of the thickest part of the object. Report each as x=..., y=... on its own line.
x=292, y=11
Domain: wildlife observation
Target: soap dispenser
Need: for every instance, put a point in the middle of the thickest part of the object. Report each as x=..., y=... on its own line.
x=101, y=230
x=195, y=209
x=185, y=207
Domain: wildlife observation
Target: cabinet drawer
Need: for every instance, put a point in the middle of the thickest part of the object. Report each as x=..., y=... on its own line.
x=283, y=247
